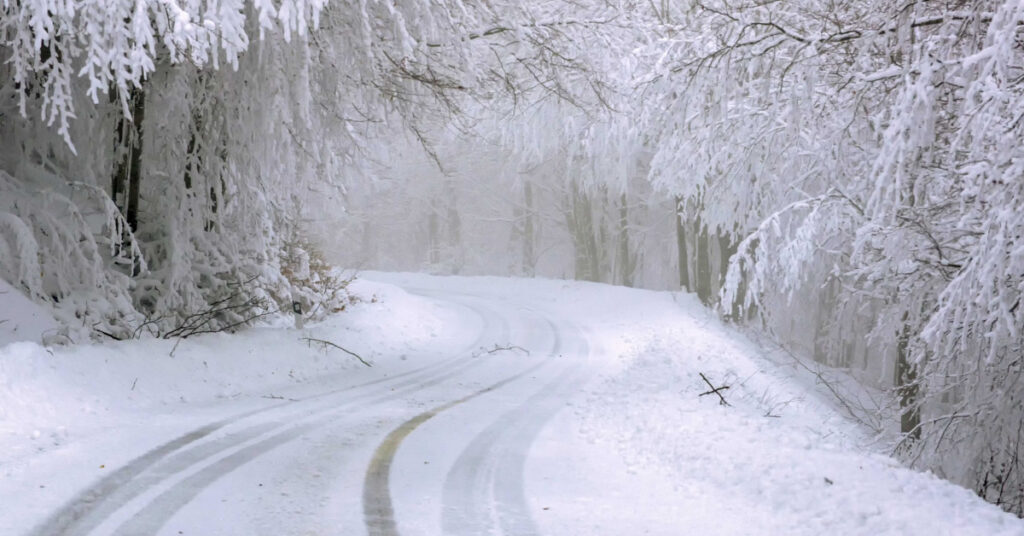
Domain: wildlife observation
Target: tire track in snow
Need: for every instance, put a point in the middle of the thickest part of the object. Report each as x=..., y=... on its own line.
x=159, y=511
x=91, y=507
x=484, y=489
x=87, y=509
x=378, y=511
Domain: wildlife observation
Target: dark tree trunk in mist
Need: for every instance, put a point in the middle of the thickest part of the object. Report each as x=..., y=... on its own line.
x=627, y=259
x=684, y=261
x=581, y=228
x=529, y=260
x=906, y=386
x=125, y=136
x=454, y=223
x=138, y=105
x=703, y=256
x=822, y=326
x=197, y=171
x=127, y=178
x=191, y=158
x=434, y=241
x=726, y=249
x=737, y=313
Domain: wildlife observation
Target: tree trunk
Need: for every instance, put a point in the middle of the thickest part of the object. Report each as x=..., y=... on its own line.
x=529, y=262
x=122, y=155
x=627, y=261
x=684, y=261
x=703, y=255
x=593, y=255
x=191, y=159
x=726, y=248
x=126, y=180
x=822, y=324
x=454, y=223
x=433, y=241
x=906, y=386
x=581, y=229
x=738, y=314
x=138, y=105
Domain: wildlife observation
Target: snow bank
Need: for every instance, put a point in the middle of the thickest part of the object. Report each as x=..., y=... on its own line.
x=49, y=396
x=21, y=319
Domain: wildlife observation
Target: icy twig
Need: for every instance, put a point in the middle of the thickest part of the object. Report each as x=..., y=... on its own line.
x=715, y=390
x=496, y=349
x=323, y=343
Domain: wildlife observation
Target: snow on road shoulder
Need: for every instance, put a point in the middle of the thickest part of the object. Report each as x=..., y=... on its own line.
x=782, y=458
x=50, y=397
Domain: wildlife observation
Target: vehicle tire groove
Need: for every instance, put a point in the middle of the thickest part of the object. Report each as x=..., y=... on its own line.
x=90, y=507
x=484, y=490
x=378, y=511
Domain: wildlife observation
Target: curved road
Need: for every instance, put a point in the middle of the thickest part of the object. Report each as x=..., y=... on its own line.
x=436, y=449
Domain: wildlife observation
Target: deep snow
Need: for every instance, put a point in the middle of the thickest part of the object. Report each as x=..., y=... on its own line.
x=21, y=319
x=615, y=441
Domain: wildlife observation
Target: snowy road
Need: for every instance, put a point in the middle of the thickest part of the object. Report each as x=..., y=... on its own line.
x=440, y=445
x=469, y=453
x=524, y=408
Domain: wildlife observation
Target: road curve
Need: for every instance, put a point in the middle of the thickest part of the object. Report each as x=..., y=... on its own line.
x=200, y=456
x=503, y=399
x=482, y=492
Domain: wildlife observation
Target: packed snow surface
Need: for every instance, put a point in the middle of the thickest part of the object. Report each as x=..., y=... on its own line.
x=21, y=319
x=493, y=406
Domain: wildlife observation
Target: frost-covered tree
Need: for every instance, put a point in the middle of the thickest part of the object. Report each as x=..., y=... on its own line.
x=858, y=150
x=164, y=152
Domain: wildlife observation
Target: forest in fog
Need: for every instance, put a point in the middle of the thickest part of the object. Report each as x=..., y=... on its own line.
x=843, y=176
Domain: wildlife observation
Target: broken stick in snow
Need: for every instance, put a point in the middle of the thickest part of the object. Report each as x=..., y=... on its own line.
x=331, y=344
x=716, y=390
x=497, y=348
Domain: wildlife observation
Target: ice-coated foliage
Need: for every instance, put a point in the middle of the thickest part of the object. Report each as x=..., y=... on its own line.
x=868, y=155
x=207, y=202
x=162, y=156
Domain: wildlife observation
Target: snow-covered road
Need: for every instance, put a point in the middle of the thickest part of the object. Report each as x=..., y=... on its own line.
x=493, y=407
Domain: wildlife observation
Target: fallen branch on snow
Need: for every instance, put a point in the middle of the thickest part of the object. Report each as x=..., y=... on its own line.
x=325, y=344
x=496, y=349
x=715, y=390
x=108, y=334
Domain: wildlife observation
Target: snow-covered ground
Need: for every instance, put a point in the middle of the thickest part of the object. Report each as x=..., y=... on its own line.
x=493, y=406
x=22, y=320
